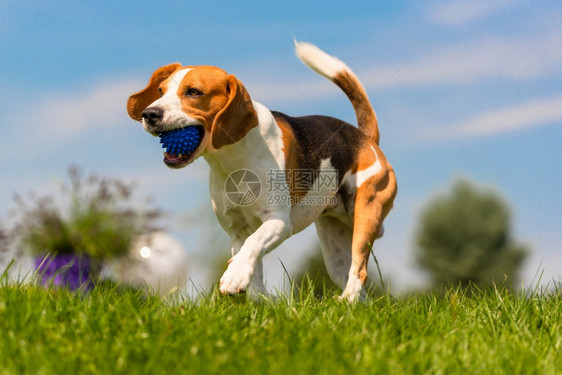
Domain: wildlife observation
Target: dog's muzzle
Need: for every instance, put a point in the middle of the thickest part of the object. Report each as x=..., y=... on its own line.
x=152, y=116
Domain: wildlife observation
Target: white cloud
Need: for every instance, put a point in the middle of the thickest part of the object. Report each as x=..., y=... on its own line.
x=60, y=120
x=521, y=116
x=461, y=12
x=102, y=106
x=477, y=61
x=264, y=91
x=514, y=59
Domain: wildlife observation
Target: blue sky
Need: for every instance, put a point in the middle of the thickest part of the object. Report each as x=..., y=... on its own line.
x=461, y=88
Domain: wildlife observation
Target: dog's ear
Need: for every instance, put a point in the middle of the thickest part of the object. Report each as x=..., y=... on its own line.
x=142, y=99
x=237, y=117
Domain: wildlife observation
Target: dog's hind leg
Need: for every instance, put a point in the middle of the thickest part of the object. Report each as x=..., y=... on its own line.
x=257, y=286
x=335, y=240
x=373, y=201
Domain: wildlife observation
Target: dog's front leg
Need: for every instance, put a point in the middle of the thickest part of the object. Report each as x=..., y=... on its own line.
x=257, y=285
x=241, y=268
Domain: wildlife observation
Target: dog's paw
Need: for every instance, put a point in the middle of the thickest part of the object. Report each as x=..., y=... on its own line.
x=354, y=291
x=237, y=277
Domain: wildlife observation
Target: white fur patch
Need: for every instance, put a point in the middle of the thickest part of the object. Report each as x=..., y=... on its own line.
x=170, y=99
x=319, y=61
x=360, y=177
x=271, y=133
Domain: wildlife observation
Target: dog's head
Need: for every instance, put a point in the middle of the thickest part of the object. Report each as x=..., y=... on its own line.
x=203, y=96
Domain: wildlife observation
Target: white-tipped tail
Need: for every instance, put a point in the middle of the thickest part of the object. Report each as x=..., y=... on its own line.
x=319, y=61
x=338, y=72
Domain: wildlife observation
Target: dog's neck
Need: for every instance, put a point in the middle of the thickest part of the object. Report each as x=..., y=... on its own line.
x=229, y=158
x=261, y=145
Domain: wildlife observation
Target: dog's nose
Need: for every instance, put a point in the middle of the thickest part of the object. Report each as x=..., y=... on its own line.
x=152, y=115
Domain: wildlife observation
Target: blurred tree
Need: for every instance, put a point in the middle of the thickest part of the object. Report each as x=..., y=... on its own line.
x=465, y=237
x=4, y=240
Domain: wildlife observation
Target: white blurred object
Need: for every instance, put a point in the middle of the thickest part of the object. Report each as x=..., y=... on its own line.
x=156, y=262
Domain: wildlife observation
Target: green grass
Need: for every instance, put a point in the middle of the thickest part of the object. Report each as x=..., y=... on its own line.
x=114, y=331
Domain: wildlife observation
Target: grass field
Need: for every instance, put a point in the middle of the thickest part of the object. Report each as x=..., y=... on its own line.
x=113, y=331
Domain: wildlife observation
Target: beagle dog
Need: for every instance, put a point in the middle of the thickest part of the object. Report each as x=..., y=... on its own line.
x=272, y=175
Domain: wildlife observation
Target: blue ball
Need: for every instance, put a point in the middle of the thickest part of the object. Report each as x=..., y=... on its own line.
x=182, y=141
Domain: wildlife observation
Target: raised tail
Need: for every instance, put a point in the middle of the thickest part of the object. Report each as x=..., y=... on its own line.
x=339, y=73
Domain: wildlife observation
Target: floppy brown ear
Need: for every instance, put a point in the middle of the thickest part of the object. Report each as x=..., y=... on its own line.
x=142, y=99
x=237, y=117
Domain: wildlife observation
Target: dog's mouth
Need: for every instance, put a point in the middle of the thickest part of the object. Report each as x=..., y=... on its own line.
x=181, y=144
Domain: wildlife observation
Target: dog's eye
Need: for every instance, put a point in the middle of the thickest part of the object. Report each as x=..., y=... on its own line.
x=160, y=91
x=193, y=92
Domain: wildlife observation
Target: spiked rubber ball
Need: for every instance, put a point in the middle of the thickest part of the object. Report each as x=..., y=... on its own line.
x=182, y=141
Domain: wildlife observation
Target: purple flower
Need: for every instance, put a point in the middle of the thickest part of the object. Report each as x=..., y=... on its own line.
x=68, y=270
